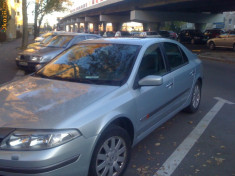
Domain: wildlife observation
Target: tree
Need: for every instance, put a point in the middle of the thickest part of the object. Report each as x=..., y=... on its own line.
x=25, y=25
x=44, y=7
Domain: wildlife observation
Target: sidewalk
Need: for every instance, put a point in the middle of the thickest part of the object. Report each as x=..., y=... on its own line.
x=8, y=53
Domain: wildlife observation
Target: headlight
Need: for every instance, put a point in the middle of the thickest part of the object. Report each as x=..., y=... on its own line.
x=37, y=139
x=36, y=58
x=18, y=57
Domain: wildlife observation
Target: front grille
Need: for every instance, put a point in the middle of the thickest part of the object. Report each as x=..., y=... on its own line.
x=24, y=58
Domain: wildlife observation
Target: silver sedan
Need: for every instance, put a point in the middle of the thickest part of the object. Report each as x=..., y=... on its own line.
x=82, y=112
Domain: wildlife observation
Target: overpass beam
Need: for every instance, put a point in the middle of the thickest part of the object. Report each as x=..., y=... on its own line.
x=153, y=16
x=92, y=19
x=114, y=18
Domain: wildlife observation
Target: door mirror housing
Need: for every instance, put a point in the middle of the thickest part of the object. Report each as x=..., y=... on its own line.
x=151, y=80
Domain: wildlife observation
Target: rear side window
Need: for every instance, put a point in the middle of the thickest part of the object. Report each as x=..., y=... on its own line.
x=176, y=57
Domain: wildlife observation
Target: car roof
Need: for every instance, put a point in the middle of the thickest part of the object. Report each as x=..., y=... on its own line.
x=130, y=41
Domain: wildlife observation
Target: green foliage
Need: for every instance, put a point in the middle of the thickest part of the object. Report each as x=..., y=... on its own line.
x=174, y=26
x=4, y=14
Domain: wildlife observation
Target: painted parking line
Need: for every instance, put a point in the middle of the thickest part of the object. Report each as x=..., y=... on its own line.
x=19, y=74
x=178, y=155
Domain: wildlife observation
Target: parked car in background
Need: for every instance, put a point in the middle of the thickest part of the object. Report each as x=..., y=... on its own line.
x=81, y=113
x=213, y=33
x=226, y=40
x=122, y=34
x=164, y=34
x=109, y=34
x=173, y=35
x=191, y=36
x=44, y=35
x=45, y=41
x=32, y=57
x=150, y=34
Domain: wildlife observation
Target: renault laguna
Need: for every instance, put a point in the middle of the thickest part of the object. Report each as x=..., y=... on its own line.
x=82, y=112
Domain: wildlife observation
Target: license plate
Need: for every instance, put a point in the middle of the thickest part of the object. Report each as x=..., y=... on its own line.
x=23, y=63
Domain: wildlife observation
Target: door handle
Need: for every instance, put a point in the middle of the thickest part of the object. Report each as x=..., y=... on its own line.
x=192, y=73
x=169, y=85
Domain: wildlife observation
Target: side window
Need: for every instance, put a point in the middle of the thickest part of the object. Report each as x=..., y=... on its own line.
x=152, y=62
x=174, y=55
x=79, y=39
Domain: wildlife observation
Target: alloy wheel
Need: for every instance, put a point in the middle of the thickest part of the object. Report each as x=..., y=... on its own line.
x=111, y=157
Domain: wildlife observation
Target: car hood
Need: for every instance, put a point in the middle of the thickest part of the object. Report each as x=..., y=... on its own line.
x=40, y=51
x=39, y=103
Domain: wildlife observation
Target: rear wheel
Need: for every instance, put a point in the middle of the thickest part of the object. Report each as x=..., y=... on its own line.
x=111, y=154
x=212, y=45
x=195, y=99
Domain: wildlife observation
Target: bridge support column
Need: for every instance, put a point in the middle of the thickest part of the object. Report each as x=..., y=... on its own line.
x=152, y=26
x=86, y=27
x=200, y=26
x=96, y=28
x=117, y=26
x=104, y=26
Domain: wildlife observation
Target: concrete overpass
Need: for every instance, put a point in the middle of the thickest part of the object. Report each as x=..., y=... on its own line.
x=149, y=12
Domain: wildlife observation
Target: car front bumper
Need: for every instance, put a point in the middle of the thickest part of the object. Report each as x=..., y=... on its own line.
x=70, y=159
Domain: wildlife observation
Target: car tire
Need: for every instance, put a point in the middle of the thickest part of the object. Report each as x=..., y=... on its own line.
x=212, y=45
x=112, y=152
x=192, y=41
x=195, y=99
x=234, y=47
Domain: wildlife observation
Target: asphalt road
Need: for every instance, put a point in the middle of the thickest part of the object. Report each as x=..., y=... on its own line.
x=213, y=153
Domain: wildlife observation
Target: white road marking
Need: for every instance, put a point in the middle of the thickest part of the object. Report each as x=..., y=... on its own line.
x=178, y=155
x=19, y=74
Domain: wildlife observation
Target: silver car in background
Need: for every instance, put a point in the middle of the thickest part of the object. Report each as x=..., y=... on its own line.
x=40, y=55
x=226, y=40
x=81, y=113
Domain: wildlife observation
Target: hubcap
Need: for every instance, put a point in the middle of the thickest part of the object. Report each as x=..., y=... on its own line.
x=196, y=96
x=111, y=157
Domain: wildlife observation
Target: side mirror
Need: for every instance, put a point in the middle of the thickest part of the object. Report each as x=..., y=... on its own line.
x=151, y=80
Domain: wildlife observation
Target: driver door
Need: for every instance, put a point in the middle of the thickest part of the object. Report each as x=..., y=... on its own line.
x=153, y=102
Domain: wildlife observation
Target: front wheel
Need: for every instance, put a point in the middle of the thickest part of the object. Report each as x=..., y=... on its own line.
x=195, y=99
x=111, y=154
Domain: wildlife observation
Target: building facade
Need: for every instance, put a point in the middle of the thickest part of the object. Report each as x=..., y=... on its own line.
x=229, y=21
x=16, y=21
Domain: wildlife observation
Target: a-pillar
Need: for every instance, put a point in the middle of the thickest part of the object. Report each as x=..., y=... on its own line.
x=117, y=26
x=200, y=26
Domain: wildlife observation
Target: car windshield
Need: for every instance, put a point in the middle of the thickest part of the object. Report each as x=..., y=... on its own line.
x=47, y=39
x=108, y=64
x=60, y=41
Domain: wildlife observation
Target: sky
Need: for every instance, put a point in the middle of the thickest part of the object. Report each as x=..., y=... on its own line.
x=50, y=18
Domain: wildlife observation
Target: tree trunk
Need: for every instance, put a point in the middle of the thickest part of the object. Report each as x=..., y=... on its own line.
x=36, y=33
x=25, y=25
